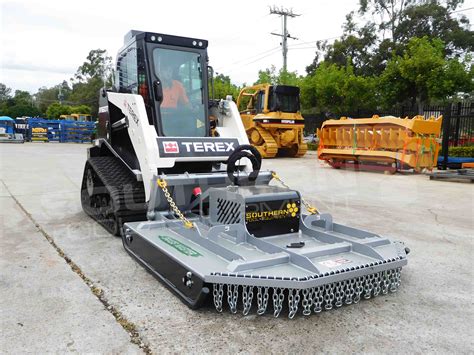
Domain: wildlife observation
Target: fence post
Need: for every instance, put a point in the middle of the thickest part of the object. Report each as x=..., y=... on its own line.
x=446, y=132
x=456, y=129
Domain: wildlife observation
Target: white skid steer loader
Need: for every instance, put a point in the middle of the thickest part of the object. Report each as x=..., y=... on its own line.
x=174, y=175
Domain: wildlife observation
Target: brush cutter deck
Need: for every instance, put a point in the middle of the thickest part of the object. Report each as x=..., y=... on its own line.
x=319, y=265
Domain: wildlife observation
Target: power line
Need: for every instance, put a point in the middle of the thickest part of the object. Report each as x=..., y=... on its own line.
x=253, y=61
x=284, y=13
x=246, y=59
x=314, y=41
x=462, y=10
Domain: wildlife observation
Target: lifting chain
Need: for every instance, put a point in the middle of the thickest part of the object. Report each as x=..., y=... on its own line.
x=164, y=187
x=309, y=208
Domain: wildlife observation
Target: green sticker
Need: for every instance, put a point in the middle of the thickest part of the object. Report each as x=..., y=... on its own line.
x=182, y=248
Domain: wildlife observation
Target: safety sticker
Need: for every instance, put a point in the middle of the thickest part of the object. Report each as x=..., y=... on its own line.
x=335, y=262
x=182, y=248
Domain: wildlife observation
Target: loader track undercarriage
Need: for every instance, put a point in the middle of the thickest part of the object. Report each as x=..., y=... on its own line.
x=111, y=195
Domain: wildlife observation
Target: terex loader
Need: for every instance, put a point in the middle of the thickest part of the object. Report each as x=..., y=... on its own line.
x=272, y=119
x=196, y=211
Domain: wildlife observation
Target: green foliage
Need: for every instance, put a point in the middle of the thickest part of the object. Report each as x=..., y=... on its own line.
x=55, y=110
x=90, y=77
x=338, y=90
x=312, y=146
x=223, y=87
x=423, y=74
x=464, y=152
x=81, y=109
x=87, y=93
x=282, y=77
x=45, y=96
x=97, y=65
x=5, y=93
x=358, y=44
x=433, y=19
x=369, y=46
x=21, y=104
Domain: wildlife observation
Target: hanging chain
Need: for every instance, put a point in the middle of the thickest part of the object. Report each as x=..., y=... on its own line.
x=309, y=208
x=312, y=300
x=164, y=187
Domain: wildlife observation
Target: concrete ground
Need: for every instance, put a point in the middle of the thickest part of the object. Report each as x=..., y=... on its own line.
x=67, y=285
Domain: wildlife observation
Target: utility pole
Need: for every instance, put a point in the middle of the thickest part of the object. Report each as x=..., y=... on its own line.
x=285, y=13
x=60, y=95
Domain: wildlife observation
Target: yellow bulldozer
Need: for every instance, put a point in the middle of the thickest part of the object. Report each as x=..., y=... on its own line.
x=272, y=119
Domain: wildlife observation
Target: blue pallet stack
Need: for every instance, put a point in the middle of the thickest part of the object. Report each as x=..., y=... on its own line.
x=77, y=132
x=64, y=131
x=37, y=130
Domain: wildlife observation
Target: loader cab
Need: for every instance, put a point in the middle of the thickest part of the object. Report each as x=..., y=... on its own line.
x=264, y=98
x=284, y=98
x=171, y=75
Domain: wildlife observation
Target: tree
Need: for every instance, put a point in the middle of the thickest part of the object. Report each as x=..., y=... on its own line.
x=5, y=93
x=369, y=47
x=95, y=73
x=97, y=65
x=21, y=104
x=358, y=44
x=46, y=96
x=87, y=93
x=55, y=110
x=390, y=13
x=337, y=90
x=282, y=77
x=434, y=20
x=223, y=87
x=424, y=74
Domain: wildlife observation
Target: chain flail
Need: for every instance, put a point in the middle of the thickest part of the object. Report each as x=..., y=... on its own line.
x=164, y=187
x=312, y=300
x=311, y=209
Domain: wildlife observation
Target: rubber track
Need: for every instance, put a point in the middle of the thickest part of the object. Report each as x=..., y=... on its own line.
x=126, y=193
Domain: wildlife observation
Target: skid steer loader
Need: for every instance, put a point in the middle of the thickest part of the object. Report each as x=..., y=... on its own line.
x=272, y=119
x=196, y=211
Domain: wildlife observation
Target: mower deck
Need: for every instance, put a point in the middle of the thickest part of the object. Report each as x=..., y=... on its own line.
x=192, y=261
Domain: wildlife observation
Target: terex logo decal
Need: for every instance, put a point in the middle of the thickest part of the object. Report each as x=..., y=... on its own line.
x=178, y=147
x=209, y=146
x=170, y=147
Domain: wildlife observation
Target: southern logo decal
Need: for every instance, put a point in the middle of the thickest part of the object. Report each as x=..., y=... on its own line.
x=170, y=147
x=291, y=210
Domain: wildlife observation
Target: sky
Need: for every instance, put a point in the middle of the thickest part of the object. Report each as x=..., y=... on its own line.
x=43, y=42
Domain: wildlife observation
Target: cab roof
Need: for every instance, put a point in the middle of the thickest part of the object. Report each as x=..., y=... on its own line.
x=161, y=38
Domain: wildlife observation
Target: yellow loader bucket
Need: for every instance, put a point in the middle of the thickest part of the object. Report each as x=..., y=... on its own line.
x=381, y=143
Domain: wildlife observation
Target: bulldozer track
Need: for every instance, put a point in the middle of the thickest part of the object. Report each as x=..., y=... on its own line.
x=302, y=149
x=111, y=195
x=269, y=148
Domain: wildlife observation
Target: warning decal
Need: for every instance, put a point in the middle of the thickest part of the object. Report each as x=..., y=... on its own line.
x=335, y=262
